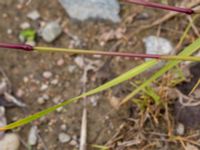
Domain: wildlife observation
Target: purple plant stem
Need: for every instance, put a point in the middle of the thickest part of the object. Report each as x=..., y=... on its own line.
x=162, y=6
x=23, y=47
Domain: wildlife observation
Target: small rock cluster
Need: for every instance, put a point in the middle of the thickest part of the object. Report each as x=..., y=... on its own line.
x=51, y=30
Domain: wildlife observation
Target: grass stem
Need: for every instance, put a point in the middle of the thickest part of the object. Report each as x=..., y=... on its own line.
x=161, y=6
x=25, y=47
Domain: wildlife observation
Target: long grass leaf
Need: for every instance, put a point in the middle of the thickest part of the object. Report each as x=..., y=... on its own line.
x=128, y=75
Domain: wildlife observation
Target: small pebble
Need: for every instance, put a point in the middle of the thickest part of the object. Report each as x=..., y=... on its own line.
x=54, y=81
x=40, y=100
x=47, y=74
x=73, y=143
x=114, y=101
x=51, y=31
x=25, y=79
x=34, y=15
x=25, y=25
x=43, y=87
x=45, y=97
x=9, y=31
x=20, y=93
x=63, y=127
x=57, y=99
x=94, y=100
x=10, y=142
x=180, y=129
x=79, y=61
x=60, y=62
x=64, y=138
x=71, y=68
x=33, y=136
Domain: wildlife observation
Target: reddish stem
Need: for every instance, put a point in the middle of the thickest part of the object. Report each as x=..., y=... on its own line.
x=24, y=47
x=161, y=6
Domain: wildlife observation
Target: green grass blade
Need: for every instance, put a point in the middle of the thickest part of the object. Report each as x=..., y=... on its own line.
x=186, y=52
x=130, y=74
x=100, y=147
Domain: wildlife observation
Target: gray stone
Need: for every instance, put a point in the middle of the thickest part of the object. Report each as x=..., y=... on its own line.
x=157, y=45
x=64, y=138
x=51, y=31
x=92, y=9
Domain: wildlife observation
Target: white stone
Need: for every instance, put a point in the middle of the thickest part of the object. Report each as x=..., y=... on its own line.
x=33, y=136
x=63, y=127
x=180, y=129
x=25, y=25
x=60, y=62
x=41, y=100
x=34, y=15
x=44, y=87
x=47, y=74
x=64, y=138
x=10, y=142
x=54, y=82
x=9, y=31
